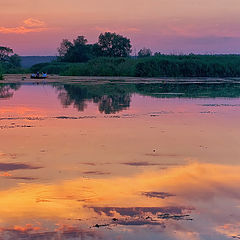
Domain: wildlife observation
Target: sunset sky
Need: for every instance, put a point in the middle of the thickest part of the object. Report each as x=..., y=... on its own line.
x=36, y=27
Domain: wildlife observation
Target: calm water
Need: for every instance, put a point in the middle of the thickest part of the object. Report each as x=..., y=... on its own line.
x=120, y=161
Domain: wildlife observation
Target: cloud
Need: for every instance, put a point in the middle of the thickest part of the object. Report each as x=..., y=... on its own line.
x=31, y=22
x=20, y=30
x=29, y=25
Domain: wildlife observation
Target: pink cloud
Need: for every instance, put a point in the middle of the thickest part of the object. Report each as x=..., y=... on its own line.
x=31, y=22
x=21, y=30
x=30, y=25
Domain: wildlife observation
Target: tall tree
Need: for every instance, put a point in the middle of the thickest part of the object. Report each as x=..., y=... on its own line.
x=4, y=53
x=64, y=47
x=78, y=51
x=114, y=45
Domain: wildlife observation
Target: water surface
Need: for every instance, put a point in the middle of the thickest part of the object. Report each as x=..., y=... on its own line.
x=120, y=161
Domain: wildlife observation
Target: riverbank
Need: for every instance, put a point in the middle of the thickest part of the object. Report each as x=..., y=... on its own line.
x=25, y=78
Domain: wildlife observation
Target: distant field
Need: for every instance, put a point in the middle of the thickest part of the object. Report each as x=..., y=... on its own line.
x=29, y=61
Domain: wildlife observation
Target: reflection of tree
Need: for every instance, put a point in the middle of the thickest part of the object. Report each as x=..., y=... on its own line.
x=114, y=97
x=189, y=90
x=110, y=98
x=75, y=96
x=6, y=90
x=113, y=104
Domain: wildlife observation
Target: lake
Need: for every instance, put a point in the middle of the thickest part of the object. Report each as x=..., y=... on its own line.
x=120, y=160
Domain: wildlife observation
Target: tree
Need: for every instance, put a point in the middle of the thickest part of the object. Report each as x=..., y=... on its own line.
x=114, y=45
x=4, y=53
x=78, y=51
x=80, y=40
x=64, y=47
x=145, y=52
x=15, y=60
x=8, y=58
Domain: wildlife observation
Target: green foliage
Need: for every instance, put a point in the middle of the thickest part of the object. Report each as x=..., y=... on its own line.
x=109, y=45
x=189, y=66
x=4, y=53
x=15, y=60
x=114, y=45
x=51, y=68
x=78, y=51
x=157, y=66
x=10, y=62
x=102, y=67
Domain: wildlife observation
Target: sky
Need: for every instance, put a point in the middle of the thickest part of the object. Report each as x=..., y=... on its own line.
x=36, y=27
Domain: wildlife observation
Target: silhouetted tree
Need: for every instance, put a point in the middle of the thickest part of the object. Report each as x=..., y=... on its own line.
x=8, y=58
x=145, y=52
x=64, y=47
x=5, y=53
x=78, y=51
x=15, y=60
x=114, y=45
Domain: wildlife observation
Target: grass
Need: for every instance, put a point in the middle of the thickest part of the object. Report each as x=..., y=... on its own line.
x=159, y=66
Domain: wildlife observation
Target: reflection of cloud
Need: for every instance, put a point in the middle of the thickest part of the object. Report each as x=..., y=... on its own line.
x=24, y=178
x=137, y=211
x=230, y=230
x=144, y=164
x=30, y=25
x=16, y=166
x=197, y=187
x=96, y=173
x=161, y=195
x=5, y=174
x=139, y=222
x=161, y=155
x=36, y=233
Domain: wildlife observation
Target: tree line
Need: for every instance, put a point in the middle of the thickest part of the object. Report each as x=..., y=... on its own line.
x=10, y=62
x=108, y=45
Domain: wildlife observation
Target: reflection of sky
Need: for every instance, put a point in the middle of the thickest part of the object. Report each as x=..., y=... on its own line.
x=160, y=156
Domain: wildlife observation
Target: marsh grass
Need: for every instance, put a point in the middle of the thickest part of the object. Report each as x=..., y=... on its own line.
x=158, y=66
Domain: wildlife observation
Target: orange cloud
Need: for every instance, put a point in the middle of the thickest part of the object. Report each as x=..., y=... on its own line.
x=31, y=22
x=29, y=25
x=21, y=30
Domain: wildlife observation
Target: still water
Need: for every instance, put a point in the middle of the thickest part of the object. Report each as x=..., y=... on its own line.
x=120, y=161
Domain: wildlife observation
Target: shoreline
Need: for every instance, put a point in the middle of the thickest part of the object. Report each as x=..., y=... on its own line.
x=25, y=78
